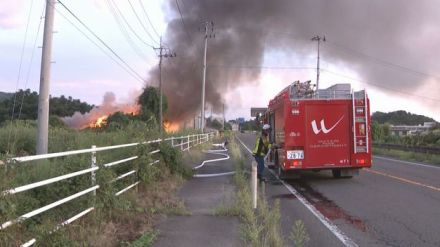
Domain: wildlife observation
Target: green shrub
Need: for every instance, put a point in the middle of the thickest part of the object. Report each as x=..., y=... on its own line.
x=22, y=142
x=172, y=158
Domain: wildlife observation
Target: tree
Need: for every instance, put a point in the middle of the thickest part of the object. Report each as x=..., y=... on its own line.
x=26, y=106
x=377, y=132
x=249, y=125
x=228, y=126
x=215, y=124
x=119, y=120
x=149, y=101
x=400, y=118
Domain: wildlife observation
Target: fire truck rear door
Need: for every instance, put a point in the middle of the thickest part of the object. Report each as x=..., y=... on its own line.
x=327, y=134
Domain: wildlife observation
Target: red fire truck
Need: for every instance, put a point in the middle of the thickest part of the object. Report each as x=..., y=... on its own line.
x=325, y=129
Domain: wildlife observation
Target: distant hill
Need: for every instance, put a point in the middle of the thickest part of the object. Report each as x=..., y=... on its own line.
x=400, y=118
x=4, y=96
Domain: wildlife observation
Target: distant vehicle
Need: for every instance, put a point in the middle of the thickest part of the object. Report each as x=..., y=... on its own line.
x=320, y=129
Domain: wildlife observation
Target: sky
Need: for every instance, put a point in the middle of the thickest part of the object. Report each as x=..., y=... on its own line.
x=82, y=70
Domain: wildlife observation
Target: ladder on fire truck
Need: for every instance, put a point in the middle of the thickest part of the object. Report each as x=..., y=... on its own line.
x=360, y=122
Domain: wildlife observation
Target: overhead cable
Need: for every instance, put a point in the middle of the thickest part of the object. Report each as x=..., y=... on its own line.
x=142, y=24
x=102, y=42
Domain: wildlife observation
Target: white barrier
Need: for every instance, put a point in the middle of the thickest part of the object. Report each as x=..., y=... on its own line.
x=184, y=144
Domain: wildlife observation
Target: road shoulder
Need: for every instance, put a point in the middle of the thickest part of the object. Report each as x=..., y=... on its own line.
x=200, y=226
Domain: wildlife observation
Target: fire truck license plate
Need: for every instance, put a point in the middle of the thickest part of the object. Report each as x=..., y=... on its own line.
x=295, y=154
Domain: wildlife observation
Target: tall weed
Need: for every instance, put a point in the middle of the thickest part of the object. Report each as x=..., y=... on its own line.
x=18, y=139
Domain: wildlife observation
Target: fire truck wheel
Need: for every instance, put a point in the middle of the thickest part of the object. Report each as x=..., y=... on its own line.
x=336, y=173
x=281, y=173
x=275, y=159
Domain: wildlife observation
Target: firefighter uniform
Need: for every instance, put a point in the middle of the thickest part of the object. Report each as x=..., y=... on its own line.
x=261, y=148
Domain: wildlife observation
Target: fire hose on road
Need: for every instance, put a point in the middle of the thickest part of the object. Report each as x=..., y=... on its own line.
x=225, y=156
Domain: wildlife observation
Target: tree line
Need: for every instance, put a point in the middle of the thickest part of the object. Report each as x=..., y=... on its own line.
x=400, y=118
x=12, y=107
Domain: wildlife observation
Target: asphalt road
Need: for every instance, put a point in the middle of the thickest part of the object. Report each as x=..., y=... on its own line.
x=395, y=203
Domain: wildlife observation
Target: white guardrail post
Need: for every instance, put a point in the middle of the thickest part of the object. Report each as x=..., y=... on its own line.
x=188, y=143
x=93, y=165
x=254, y=184
x=172, y=141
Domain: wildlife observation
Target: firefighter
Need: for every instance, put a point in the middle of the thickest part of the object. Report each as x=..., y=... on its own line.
x=261, y=148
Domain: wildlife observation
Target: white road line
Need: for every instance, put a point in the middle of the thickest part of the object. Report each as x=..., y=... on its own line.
x=324, y=220
x=406, y=162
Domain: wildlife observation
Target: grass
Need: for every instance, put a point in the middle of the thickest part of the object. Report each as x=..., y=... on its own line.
x=115, y=220
x=408, y=156
x=260, y=227
x=299, y=234
x=146, y=240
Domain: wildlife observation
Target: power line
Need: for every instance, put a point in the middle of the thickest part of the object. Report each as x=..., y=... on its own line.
x=21, y=58
x=101, y=41
x=356, y=52
x=380, y=86
x=124, y=31
x=183, y=23
x=19, y=70
x=129, y=26
x=31, y=62
x=142, y=24
x=259, y=67
x=382, y=61
x=134, y=75
x=148, y=18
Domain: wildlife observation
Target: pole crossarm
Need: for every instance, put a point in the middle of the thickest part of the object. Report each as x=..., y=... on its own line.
x=163, y=52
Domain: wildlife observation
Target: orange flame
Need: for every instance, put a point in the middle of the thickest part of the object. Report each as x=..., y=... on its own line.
x=100, y=122
x=170, y=127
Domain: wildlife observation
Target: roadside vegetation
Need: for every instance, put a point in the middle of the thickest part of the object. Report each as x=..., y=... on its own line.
x=260, y=227
x=433, y=159
x=122, y=220
x=387, y=144
x=115, y=221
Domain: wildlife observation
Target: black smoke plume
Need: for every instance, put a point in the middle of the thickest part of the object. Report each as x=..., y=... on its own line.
x=361, y=35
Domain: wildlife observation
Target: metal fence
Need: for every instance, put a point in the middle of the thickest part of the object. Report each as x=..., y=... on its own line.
x=182, y=142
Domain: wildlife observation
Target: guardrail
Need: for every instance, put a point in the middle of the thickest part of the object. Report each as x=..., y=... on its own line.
x=420, y=149
x=182, y=142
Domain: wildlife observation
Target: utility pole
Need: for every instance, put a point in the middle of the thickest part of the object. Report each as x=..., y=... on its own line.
x=224, y=119
x=209, y=33
x=167, y=53
x=43, y=98
x=318, y=38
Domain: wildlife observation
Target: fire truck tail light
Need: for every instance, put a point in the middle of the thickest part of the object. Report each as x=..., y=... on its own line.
x=297, y=163
x=361, y=161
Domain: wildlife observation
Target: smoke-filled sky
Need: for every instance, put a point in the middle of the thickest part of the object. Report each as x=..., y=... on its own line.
x=387, y=47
